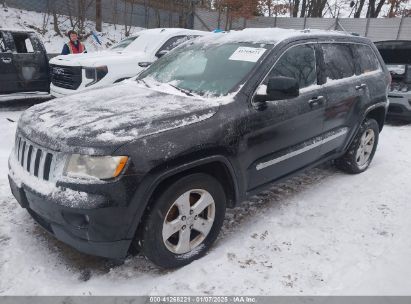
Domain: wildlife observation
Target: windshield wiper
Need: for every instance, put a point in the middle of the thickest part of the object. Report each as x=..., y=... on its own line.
x=187, y=92
x=144, y=82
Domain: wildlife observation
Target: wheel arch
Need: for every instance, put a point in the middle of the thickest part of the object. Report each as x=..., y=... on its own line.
x=217, y=166
x=377, y=112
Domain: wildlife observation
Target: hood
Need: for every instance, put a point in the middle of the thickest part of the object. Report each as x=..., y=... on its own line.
x=104, y=119
x=99, y=58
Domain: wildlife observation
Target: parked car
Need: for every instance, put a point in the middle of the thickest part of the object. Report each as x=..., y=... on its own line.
x=24, y=69
x=396, y=55
x=74, y=73
x=152, y=163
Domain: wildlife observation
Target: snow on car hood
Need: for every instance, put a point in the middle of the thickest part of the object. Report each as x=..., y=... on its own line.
x=99, y=58
x=109, y=117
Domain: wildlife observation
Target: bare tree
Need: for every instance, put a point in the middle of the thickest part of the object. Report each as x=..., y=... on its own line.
x=128, y=17
x=99, y=21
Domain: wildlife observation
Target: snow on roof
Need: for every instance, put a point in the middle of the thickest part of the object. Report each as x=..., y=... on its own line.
x=271, y=35
x=16, y=30
x=171, y=31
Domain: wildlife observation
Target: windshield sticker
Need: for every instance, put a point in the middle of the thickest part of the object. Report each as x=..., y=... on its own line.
x=244, y=53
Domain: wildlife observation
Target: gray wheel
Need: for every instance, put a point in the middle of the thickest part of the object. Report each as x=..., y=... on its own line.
x=184, y=220
x=365, y=148
x=188, y=221
x=362, y=149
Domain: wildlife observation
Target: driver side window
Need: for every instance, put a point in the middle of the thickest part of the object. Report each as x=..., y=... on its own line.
x=297, y=62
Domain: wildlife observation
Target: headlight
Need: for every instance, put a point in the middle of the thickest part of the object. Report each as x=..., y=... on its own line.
x=96, y=74
x=89, y=166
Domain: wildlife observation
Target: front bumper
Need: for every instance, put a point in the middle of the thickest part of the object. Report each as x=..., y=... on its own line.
x=98, y=228
x=400, y=106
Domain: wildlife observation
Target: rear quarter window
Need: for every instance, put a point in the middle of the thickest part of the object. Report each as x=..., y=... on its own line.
x=338, y=61
x=365, y=59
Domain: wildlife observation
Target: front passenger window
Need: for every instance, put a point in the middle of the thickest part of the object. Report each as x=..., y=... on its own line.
x=299, y=63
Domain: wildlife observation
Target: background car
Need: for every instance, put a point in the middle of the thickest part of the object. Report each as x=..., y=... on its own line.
x=24, y=68
x=73, y=73
x=397, y=57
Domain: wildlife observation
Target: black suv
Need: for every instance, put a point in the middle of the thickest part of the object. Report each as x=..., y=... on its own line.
x=396, y=55
x=152, y=162
x=24, y=66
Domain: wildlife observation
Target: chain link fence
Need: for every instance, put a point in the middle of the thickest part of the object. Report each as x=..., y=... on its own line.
x=377, y=29
x=140, y=13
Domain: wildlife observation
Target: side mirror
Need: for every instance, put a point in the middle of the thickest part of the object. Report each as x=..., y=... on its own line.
x=144, y=64
x=161, y=53
x=278, y=88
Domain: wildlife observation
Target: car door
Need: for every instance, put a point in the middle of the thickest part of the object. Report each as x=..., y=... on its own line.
x=31, y=63
x=284, y=134
x=345, y=93
x=8, y=72
x=372, y=78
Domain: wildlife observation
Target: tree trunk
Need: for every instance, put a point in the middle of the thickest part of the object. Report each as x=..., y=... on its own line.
x=378, y=9
x=303, y=8
x=296, y=7
x=99, y=21
x=357, y=13
x=56, y=23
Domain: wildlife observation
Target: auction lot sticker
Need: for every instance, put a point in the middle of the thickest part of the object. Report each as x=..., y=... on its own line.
x=244, y=53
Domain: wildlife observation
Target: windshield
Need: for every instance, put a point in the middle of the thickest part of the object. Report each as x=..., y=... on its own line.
x=123, y=44
x=207, y=69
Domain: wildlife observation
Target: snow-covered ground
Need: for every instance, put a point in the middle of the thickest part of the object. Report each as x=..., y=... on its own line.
x=21, y=19
x=322, y=232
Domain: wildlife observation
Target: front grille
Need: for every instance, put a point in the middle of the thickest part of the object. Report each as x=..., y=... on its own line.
x=65, y=76
x=35, y=160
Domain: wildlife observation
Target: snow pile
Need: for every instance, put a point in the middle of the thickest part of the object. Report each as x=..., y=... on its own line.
x=321, y=233
x=29, y=20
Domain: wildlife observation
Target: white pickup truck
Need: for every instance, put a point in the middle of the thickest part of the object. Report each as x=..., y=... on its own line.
x=74, y=73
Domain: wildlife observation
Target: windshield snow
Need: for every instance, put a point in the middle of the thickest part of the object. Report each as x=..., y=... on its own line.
x=208, y=69
x=123, y=44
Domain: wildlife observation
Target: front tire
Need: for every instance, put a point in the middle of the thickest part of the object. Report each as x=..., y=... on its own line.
x=184, y=221
x=362, y=149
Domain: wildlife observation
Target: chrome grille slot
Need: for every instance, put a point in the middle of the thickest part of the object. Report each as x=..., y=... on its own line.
x=67, y=77
x=34, y=160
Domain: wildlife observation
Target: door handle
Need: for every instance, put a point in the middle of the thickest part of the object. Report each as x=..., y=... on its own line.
x=6, y=60
x=361, y=86
x=315, y=101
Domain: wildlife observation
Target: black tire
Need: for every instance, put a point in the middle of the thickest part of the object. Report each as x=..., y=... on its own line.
x=152, y=243
x=349, y=161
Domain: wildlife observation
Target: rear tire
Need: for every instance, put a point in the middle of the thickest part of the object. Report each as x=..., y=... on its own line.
x=184, y=221
x=361, y=150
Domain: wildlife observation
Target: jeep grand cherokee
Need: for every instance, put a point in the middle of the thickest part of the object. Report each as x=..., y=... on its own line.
x=153, y=162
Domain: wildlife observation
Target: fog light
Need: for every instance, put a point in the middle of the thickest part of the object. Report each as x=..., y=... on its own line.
x=80, y=221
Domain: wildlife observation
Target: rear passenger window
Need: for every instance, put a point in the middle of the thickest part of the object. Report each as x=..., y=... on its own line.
x=299, y=63
x=365, y=59
x=338, y=61
x=22, y=43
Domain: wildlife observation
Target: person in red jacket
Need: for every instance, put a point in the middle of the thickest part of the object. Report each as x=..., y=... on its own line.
x=74, y=46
